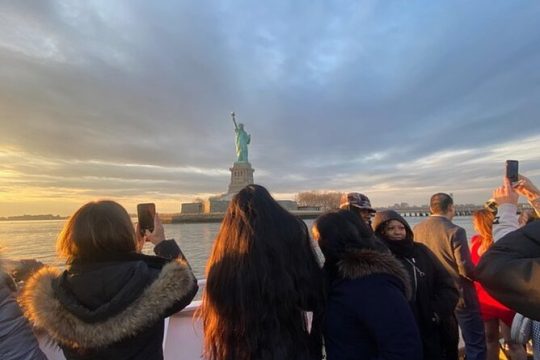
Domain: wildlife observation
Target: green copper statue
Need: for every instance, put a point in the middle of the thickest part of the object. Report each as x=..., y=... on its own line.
x=242, y=141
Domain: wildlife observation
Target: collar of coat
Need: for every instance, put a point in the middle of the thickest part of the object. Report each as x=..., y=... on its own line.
x=360, y=263
x=45, y=312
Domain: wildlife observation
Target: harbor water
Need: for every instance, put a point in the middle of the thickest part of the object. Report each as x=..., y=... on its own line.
x=36, y=240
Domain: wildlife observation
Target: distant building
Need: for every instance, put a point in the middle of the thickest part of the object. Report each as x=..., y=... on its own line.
x=192, y=208
x=309, y=208
x=288, y=204
x=216, y=205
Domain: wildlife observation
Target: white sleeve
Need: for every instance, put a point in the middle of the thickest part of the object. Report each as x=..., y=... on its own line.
x=508, y=221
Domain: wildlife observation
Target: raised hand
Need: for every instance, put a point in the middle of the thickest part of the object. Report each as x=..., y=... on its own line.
x=505, y=194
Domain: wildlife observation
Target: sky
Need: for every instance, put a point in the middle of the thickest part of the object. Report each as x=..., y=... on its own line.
x=131, y=100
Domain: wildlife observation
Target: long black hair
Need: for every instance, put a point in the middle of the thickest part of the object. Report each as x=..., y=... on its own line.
x=340, y=232
x=261, y=276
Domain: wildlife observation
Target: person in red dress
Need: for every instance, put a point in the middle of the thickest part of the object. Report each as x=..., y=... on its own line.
x=497, y=317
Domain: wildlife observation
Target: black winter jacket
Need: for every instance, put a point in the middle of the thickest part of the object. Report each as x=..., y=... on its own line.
x=510, y=270
x=111, y=309
x=367, y=315
x=434, y=294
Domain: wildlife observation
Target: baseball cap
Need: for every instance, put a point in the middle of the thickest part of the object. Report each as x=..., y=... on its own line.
x=355, y=199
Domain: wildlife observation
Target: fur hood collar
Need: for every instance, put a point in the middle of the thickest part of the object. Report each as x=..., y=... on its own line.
x=45, y=311
x=360, y=263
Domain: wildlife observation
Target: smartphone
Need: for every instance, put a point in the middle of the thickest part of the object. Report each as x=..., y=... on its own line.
x=512, y=170
x=145, y=215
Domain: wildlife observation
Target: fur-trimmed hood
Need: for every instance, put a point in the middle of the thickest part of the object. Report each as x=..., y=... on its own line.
x=45, y=311
x=360, y=263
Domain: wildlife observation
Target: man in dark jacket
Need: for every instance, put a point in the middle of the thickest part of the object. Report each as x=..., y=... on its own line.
x=449, y=243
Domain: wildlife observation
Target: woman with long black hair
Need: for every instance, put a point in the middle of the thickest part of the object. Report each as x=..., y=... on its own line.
x=367, y=314
x=263, y=279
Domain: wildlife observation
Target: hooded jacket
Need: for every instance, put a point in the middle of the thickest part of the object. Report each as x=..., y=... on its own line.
x=110, y=309
x=367, y=315
x=17, y=341
x=434, y=295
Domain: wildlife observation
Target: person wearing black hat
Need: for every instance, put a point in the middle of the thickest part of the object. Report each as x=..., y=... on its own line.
x=359, y=204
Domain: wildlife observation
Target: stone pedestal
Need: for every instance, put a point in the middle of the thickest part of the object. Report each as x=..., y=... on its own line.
x=241, y=176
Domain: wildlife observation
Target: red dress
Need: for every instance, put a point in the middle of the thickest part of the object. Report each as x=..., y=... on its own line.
x=489, y=307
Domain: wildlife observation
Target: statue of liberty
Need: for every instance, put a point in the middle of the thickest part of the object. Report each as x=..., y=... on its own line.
x=242, y=141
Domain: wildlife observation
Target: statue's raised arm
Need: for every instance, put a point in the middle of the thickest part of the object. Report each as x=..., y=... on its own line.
x=233, y=115
x=242, y=141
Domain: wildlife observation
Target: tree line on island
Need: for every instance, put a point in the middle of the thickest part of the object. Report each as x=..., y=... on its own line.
x=325, y=200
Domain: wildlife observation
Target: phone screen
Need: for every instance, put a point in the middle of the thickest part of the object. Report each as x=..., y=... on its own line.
x=145, y=215
x=512, y=171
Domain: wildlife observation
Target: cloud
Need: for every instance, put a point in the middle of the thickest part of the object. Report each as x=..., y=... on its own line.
x=133, y=99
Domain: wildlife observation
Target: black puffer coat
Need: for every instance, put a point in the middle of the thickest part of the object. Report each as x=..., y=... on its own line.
x=510, y=270
x=434, y=293
x=111, y=309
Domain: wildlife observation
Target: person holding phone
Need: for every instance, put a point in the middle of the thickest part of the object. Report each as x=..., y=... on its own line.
x=111, y=300
x=510, y=269
x=497, y=317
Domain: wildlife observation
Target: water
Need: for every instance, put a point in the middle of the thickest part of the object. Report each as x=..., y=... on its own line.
x=36, y=240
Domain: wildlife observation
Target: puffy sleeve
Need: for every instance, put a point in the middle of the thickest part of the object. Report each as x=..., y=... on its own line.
x=510, y=270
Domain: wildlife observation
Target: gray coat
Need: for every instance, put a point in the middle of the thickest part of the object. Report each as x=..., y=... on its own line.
x=449, y=243
x=17, y=341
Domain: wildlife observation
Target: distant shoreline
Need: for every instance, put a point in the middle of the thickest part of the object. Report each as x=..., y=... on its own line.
x=33, y=217
x=179, y=218
x=218, y=217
